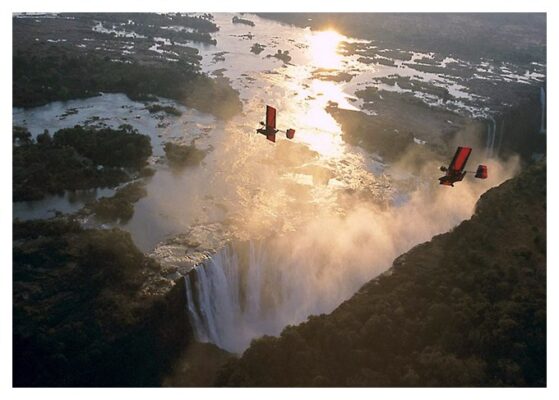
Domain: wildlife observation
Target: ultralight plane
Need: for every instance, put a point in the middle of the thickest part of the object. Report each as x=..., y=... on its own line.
x=455, y=171
x=269, y=128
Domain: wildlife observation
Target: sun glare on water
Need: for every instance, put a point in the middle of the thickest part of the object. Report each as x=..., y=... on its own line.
x=316, y=127
x=324, y=49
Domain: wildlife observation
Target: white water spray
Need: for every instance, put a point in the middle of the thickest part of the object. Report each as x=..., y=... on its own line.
x=230, y=300
x=250, y=289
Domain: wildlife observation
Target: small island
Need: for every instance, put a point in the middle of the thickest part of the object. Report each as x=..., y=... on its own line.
x=183, y=155
x=76, y=158
x=257, y=48
x=282, y=55
x=237, y=20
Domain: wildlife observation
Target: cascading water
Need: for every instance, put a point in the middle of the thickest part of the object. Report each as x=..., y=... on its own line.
x=491, y=134
x=542, y=102
x=232, y=299
x=254, y=289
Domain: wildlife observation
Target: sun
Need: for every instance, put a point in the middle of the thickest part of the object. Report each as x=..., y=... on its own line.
x=324, y=49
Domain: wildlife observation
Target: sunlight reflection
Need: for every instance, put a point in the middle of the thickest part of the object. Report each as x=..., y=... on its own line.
x=324, y=49
x=305, y=107
x=321, y=132
x=315, y=126
x=327, y=91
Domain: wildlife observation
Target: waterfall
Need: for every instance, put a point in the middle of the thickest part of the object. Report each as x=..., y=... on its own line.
x=501, y=136
x=542, y=102
x=224, y=298
x=254, y=289
x=213, y=298
x=491, y=134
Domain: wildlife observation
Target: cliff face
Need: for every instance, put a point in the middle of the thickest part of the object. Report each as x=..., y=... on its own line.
x=467, y=308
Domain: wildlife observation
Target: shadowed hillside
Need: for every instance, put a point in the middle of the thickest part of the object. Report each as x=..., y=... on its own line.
x=467, y=308
x=81, y=315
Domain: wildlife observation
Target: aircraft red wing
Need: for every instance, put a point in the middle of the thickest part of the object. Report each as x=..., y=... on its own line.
x=270, y=117
x=455, y=171
x=460, y=159
x=269, y=130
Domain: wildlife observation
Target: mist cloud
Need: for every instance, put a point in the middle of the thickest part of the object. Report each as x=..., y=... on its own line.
x=282, y=280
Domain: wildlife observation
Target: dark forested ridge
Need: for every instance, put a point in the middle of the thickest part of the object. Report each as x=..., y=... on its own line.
x=81, y=316
x=467, y=308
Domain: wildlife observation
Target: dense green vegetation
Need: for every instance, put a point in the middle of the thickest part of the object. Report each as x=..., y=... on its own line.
x=122, y=147
x=257, y=48
x=119, y=207
x=197, y=366
x=75, y=158
x=237, y=20
x=282, y=55
x=183, y=155
x=21, y=135
x=467, y=308
x=143, y=21
x=154, y=108
x=81, y=317
x=61, y=74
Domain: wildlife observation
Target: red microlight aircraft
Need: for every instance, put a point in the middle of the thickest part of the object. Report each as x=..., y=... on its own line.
x=269, y=129
x=455, y=171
